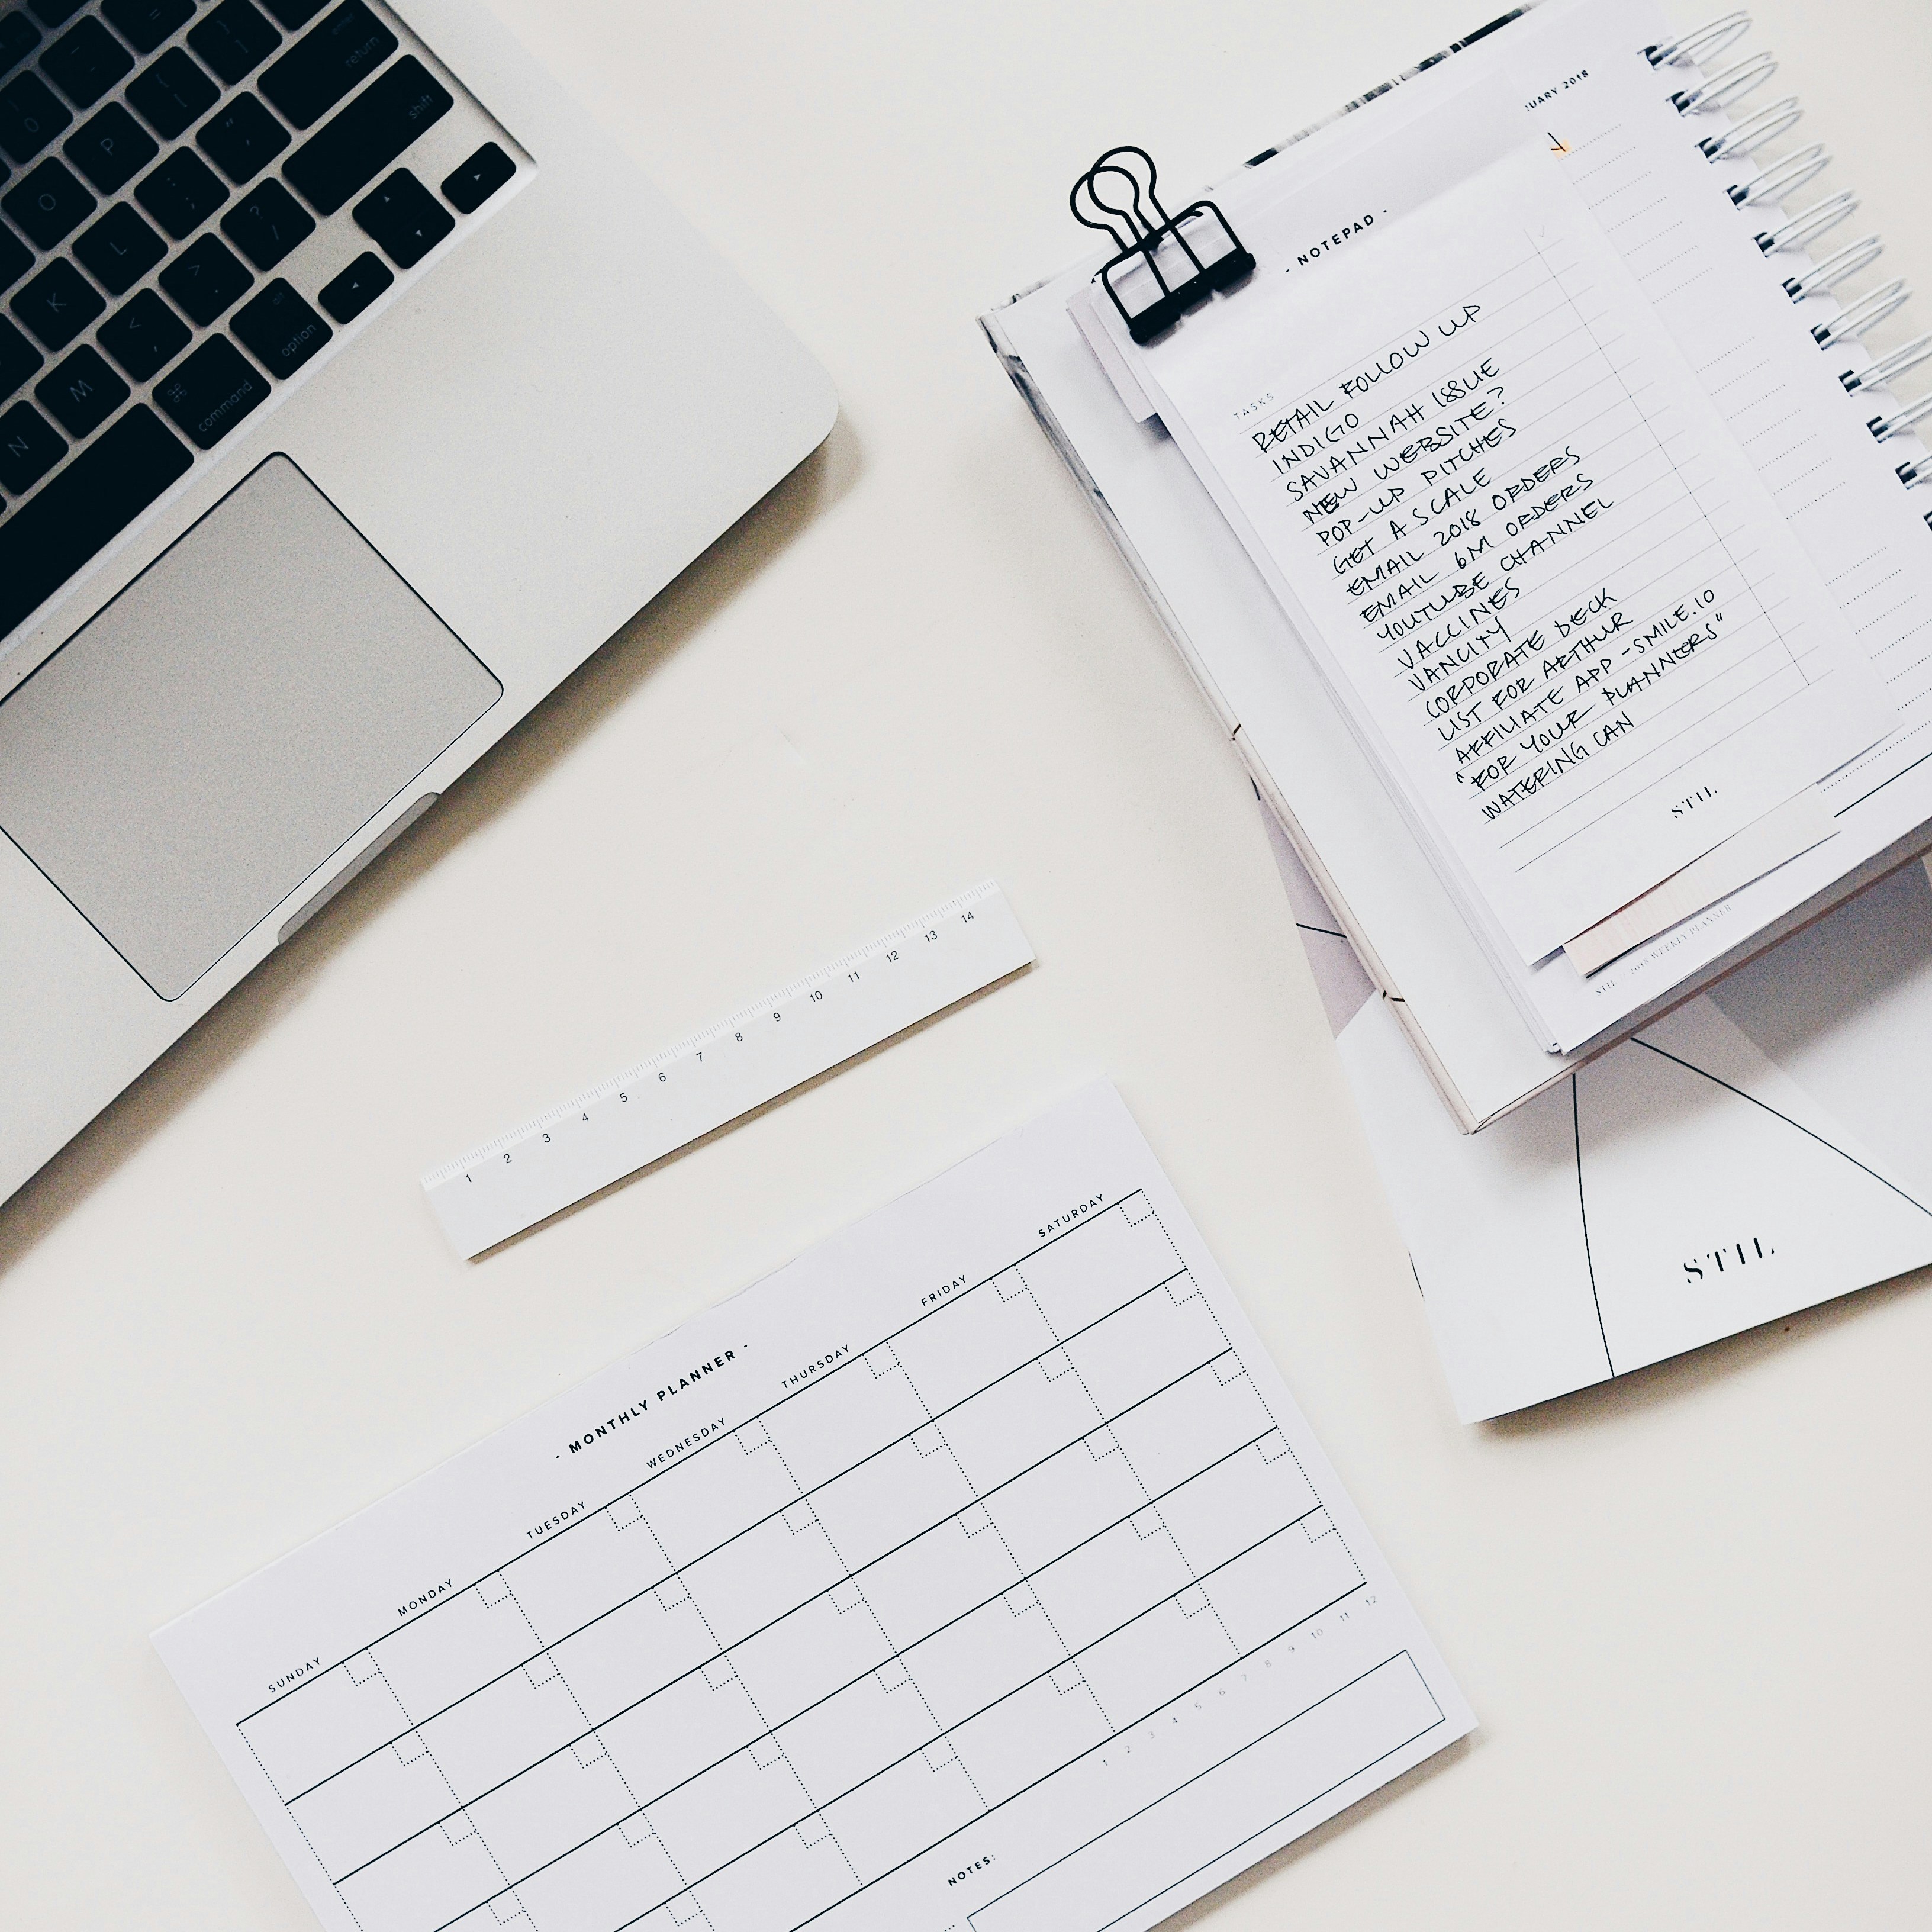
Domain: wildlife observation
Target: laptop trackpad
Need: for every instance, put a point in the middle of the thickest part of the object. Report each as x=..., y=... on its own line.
x=233, y=719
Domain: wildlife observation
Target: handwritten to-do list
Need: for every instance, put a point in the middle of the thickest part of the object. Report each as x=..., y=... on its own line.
x=1542, y=578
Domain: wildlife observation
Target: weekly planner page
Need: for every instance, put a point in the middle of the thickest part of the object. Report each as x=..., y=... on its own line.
x=976, y=1571
x=1543, y=580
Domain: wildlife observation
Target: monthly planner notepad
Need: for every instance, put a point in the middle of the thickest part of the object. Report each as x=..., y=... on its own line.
x=976, y=1571
x=1515, y=518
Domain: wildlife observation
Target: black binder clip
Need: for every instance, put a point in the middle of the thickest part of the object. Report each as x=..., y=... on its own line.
x=1122, y=212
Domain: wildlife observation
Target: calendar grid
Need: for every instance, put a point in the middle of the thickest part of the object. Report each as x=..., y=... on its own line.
x=925, y=1316
x=1116, y=1523
x=957, y=1570
x=613, y=1609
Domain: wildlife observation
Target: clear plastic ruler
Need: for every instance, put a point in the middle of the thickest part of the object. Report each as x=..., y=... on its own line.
x=705, y=1082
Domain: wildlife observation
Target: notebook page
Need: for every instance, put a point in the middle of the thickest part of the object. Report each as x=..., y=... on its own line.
x=1662, y=205
x=1572, y=71
x=975, y=1567
x=1545, y=582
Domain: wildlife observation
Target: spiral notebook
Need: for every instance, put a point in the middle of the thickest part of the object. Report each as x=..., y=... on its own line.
x=1740, y=508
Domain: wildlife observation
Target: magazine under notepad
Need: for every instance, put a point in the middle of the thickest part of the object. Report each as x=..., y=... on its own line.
x=1512, y=513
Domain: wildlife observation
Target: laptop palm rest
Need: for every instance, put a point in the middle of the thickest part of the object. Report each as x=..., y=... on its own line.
x=206, y=744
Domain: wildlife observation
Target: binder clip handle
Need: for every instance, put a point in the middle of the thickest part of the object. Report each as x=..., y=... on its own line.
x=1120, y=197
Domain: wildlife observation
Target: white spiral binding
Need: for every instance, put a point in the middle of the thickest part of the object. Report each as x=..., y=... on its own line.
x=1773, y=184
x=1867, y=312
x=1785, y=177
x=1828, y=273
x=1713, y=37
x=1748, y=136
x=1721, y=89
x=1879, y=374
x=1901, y=420
x=1818, y=219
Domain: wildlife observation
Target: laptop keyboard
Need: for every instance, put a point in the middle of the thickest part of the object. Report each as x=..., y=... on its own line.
x=195, y=200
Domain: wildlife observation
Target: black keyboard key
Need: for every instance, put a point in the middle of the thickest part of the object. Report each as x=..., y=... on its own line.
x=111, y=149
x=357, y=286
x=54, y=12
x=478, y=179
x=404, y=218
x=48, y=205
x=145, y=337
x=182, y=193
x=328, y=65
x=82, y=393
x=86, y=62
x=173, y=94
x=18, y=358
x=280, y=330
x=19, y=37
x=267, y=223
x=211, y=391
x=31, y=116
x=243, y=138
x=234, y=40
x=205, y=282
x=119, y=249
x=374, y=130
x=57, y=305
x=16, y=258
x=145, y=24
x=294, y=13
x=84, y=509
x=30, y=446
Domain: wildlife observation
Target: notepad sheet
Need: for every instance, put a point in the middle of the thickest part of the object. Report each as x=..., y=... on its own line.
x=1577, y=74
x=1546, y=584
x=976, y=1571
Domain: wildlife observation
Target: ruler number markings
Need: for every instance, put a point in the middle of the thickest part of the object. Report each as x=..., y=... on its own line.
x=484, y=1211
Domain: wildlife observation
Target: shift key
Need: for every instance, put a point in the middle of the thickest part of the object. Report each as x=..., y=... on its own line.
x=375, y=129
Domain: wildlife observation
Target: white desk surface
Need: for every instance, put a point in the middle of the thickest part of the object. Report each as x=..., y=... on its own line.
x=1689, y=1608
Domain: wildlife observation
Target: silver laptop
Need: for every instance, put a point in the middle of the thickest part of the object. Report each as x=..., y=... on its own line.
x=352, y=391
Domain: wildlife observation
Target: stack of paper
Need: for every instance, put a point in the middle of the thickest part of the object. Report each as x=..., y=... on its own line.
x=1521, y=534
x=1766, y=1146
x=1552, y=597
